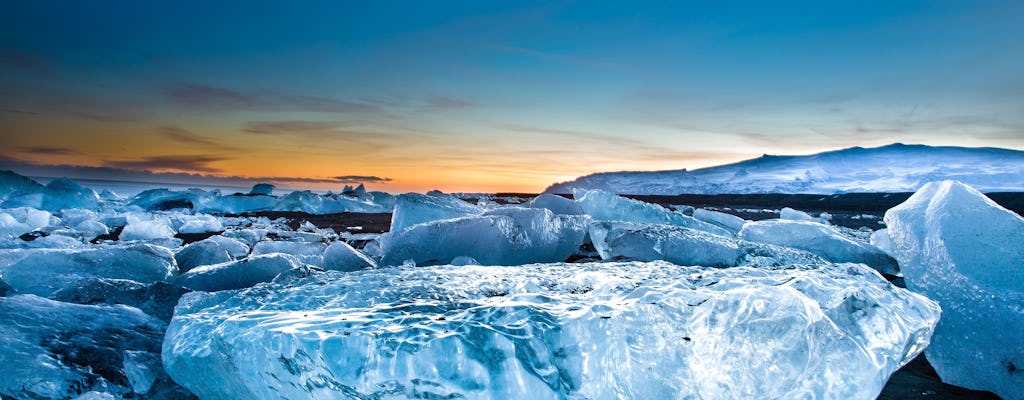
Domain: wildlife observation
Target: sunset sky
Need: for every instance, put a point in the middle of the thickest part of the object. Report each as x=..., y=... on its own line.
x=494, y=96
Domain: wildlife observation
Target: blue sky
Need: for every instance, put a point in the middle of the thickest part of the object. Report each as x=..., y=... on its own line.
x=488, y=96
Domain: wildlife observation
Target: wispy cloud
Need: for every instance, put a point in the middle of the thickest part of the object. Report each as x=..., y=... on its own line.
x=16, y=111
x=182, y=135
x=195, y=163
x=218, y=98
x=447, y=102
x=360, y=179
x=47, y=150
x=288, y=127
x=112, y=172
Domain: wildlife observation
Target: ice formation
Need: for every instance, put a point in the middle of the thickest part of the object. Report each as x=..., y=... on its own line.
x=797, y=215
x=963, y=250
x=201, y=223
x=504, y=236
x=11, y=182
x=213, y=250
x=17, y=221
x=339, y=256
x=46, y=271
x=307, y=252
x=58, y=350
x=262, y=189
x=552, y=331
x=880, y=239
x=724, y=220
x=164, y=199
x=609, y=207
x=819, y=239
x=557, y=204
x=616, y=240
x=414, y=208
x=141, y=228
x=238, y=274
x=237, y=204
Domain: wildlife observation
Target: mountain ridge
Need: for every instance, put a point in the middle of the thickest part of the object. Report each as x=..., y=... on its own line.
x=895, y=167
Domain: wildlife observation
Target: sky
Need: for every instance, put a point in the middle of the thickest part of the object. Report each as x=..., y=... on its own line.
x=481, y=96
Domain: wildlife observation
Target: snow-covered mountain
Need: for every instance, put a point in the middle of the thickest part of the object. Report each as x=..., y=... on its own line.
x=893, y=168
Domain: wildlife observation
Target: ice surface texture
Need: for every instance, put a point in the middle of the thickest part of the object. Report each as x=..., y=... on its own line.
x=55, y=350
x=819, y=239
x=727, y=221
x=609, y=207
x=552, y=331
x=414, y=208
x=238, y=274
x=684, y=246
x=961, y=249
x=504, y=236
x=44, y=272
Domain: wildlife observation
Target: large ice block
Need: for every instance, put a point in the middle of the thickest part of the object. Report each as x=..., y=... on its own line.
x=552, y=331
x=960, y=248
x=610, y=207
x=414, y=208
x=819, y=239
x=45, y=271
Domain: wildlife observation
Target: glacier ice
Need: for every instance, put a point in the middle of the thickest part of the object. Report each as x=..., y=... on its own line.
x=165, y=199
x=238, y=204
x=201, y=223
x=45, y=271
x=616, y=240
x=557, y=204
x=339, y=256
x=263, y=189
x=610, y=207
x=797, y=215
x=64, y=193
x=724, y=220
x=58, y=350
x=213, y=250
x=963, y=250
x=157, y=299
x=503, y=236
x=143, y=228
x=819, y=239
x=11, y=182
x=17, y=221
x=552, y=331
x=306, y=251
x=414, y=208
x=880, y=239
x=238, y=274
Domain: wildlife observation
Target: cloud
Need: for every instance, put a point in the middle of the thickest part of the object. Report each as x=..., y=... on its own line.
x=446, y=102
x=28, y=62
x=217, y=98
x=185, y=136
x=47, y=150
x=196, y=163
x=16, y=111
x=360, y=179
x=134, y=175
x=287, y=127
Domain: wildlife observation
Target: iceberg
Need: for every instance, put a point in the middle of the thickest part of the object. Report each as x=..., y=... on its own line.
x=17, y=221
x=238, y=204
x=557, y=204
x=200, y=223
x=339, y=256
x=414, y=208
x=609, y=207
x=262, y=189
x=238, y=274
x=504, y=236
x=307, y=252
x=164, y=199
x=552, y=331
x=57, y=195
x=156, y=299
x=43, y=272
x=797, y=215
x=960, y=248
x=823, y=240
x=213, y=250
x=56, y=350
x=615, y=240
x=140, y=228
x=11, y=182
x=724, y=220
